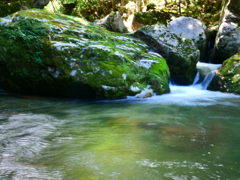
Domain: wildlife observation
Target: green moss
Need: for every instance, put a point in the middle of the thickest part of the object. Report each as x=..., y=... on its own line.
x=160, y=80
x=71, y=57
x=181, y=55
x=227, y=78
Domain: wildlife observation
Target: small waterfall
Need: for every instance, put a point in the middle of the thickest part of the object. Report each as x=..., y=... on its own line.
x=208, y=78
x=186, y=94
x=197, y=78
x=205, y=68
x=207, y=71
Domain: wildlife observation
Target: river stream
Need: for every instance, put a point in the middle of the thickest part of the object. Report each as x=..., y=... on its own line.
x=187, y=134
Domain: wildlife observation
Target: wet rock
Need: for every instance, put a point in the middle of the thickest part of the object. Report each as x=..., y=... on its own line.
x=188, y=27
x=53, y=54
x=145, y=93
x=180, y=53
x=227, y=42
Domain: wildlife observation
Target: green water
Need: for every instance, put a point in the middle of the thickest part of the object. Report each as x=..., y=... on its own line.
x=61, y=139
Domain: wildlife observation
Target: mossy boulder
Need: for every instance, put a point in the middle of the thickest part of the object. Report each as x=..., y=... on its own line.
x=227, y=78
x=54, y=54
x=180, y=53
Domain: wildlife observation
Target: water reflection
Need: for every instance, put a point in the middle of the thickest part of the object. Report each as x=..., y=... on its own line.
x=65, y=139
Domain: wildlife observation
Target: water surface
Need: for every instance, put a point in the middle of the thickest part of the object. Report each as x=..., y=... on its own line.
x=187, y=134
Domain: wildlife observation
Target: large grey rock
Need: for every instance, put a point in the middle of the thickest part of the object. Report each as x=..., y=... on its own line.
x=113, y=22
x=180, y=53
x=54, y=54
x=227, y=42
x=193, y=29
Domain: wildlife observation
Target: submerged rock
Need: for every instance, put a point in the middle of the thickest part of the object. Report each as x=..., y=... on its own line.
x=145, y=93
x=188, y=27
x=54, y=54
x=227, y=79
x=227, y=42
x=180, y=53
x=191, y=137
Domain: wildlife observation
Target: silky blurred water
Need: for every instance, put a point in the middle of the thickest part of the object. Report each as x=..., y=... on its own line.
x=187, y=134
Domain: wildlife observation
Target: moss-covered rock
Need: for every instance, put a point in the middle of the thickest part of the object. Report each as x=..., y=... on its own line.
x=54, y=54
x=227, y=78
x=180, y=53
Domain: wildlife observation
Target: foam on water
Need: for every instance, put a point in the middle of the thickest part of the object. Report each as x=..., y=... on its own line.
x=208, y=66
x=191, y=96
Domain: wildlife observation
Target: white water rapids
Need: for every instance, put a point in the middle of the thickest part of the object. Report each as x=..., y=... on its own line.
x=195, y=94
x=191, y=96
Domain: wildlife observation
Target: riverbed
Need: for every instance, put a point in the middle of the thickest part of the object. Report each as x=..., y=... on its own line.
x=187, y=134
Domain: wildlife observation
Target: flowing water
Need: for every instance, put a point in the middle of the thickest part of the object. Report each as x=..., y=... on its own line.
x=190, y=133
x=187, y=134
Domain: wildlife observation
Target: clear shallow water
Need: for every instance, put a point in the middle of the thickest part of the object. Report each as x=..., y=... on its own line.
x=188, y=134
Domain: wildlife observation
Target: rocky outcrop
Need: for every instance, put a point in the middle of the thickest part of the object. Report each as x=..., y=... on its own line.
x=227, y=42
x=188, y=27
x=112, y=22
x=54, y=54
x=180, y=53
x=227, y=79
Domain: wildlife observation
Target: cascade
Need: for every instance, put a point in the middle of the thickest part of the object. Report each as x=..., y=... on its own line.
x=208, y=78
x=206, y=71
x=197, y=78
x=205, y=74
